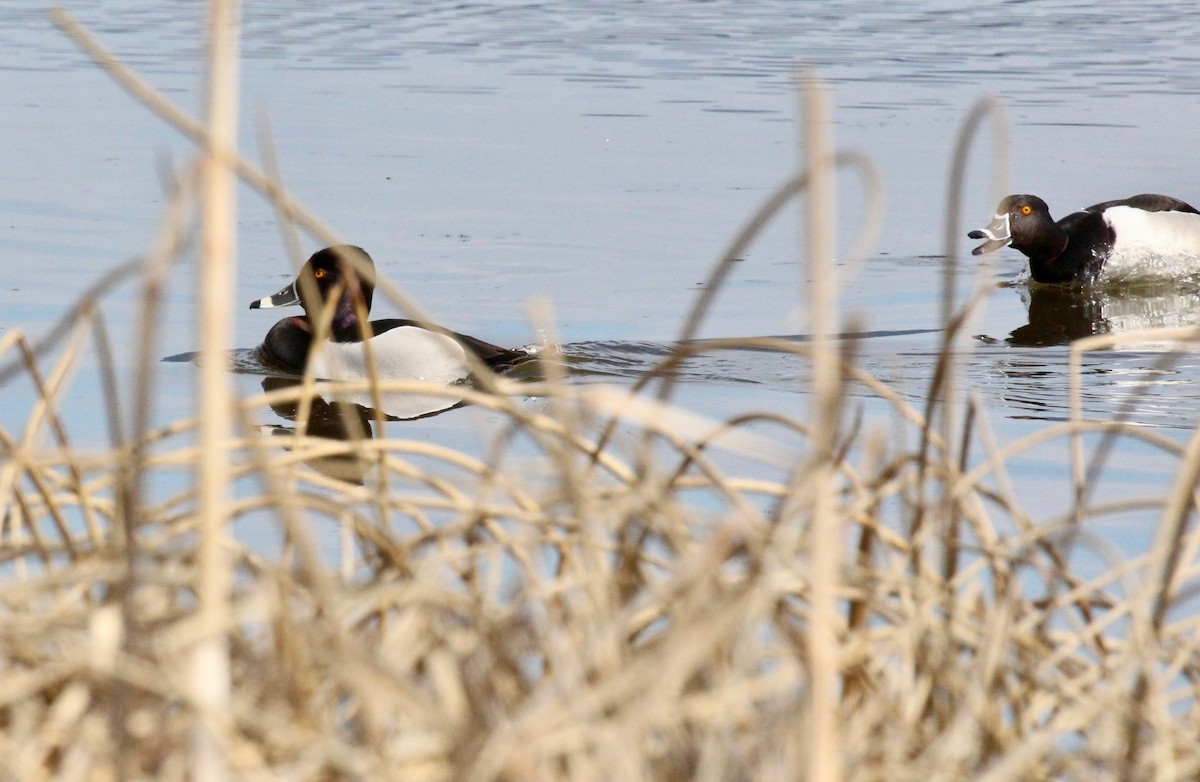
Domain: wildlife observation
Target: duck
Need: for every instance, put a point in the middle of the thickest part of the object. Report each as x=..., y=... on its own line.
x=1077, y=248
x=401, y=349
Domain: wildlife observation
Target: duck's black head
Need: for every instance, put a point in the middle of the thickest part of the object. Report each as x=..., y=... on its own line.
x=1021, y=220
x=342, y=271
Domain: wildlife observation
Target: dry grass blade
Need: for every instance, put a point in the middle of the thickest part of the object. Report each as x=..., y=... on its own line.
x=209, y=663
x=824, y=544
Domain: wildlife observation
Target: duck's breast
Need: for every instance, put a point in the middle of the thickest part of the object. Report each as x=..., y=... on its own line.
x=402, y=353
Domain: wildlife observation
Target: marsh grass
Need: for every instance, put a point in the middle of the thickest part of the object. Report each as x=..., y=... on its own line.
x=587, y=600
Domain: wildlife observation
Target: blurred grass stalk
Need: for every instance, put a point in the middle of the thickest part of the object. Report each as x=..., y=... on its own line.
x=824, y=536
x=209, y=665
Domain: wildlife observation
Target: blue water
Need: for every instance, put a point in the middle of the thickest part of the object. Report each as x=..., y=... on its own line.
x=598, y=157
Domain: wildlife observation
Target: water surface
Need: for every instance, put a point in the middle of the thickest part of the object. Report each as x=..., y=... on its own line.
x=598, y=156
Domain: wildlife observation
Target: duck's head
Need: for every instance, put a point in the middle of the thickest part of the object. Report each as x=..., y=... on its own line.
x=343, y=274
x=1018, y=218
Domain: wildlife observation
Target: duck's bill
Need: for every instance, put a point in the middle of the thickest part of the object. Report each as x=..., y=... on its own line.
x=285, y=298
x=997, y=234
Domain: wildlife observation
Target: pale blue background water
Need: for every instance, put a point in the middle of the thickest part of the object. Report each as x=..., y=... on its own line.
x=599, y=156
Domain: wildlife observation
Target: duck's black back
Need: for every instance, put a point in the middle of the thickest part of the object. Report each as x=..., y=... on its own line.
x=1147, y=202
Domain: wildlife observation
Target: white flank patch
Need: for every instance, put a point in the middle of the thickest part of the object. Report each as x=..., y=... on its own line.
x=1153, y=243
x=404, y=353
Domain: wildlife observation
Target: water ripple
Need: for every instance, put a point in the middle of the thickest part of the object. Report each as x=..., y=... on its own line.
x=761, y=42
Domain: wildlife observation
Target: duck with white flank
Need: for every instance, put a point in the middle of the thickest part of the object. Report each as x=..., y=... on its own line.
x=401, y=349
x=1076, y=248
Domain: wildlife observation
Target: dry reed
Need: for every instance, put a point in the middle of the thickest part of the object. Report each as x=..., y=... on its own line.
x=589, y=605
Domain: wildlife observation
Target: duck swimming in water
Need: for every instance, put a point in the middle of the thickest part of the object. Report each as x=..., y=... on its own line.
x=1077, y=248
x=401, y=349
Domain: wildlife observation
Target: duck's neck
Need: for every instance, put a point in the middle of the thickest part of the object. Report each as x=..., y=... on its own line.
x=345, y=325
x=1048, y=245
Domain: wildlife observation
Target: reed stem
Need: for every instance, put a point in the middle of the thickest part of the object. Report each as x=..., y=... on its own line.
x=210, y=672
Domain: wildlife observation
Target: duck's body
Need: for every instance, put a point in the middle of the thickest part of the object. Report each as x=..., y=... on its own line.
x=399, y=349
x=1078, y=247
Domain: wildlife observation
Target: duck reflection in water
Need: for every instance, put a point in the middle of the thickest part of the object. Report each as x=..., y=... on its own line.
x=343, y=421
x=1059, y=314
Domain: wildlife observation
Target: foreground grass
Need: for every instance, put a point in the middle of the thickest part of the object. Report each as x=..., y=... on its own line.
x=580, y=613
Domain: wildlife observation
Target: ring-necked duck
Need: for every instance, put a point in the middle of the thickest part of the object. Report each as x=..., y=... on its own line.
x=1077, y=247
x=402, y=349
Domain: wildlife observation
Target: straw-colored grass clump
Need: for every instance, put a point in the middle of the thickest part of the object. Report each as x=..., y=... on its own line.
x=584, y=601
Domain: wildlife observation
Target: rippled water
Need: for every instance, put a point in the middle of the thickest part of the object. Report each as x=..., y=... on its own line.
x=599, y=156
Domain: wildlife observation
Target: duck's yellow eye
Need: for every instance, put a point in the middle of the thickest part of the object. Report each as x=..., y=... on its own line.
x=1027, y=209
x=320, y=273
